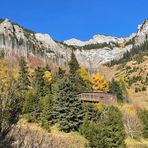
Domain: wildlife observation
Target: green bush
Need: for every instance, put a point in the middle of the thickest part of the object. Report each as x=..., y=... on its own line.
x=143, y=114
x=108, y=132
x=115, y=88
x=91, y=112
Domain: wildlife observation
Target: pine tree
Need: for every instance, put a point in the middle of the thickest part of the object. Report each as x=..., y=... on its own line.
x=73, y=64
x=143, y=114
x=108, y=132
x=24, y=75
x=46, y=106
x=68, y=108
x=77, y=80
x=61, y=72
x=79, y=84
x=30, y=103
x=32, y=100
x=47, y=67
x=113, y=128
x=115, y=88
x=39, y=82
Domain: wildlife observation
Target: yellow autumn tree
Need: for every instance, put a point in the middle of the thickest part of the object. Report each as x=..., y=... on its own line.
x=7, y=73
x=15, y=73
x=84, y=74
x=99, y=83
x=4, y=74
x=47, y=76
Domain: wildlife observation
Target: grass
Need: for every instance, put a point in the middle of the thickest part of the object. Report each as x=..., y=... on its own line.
x=74, y=135
x=139, y=99
x=132, y=143
x=69, y=140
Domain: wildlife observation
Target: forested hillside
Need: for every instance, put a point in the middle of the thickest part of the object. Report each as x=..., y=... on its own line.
x=47, y=102
x=48, y=97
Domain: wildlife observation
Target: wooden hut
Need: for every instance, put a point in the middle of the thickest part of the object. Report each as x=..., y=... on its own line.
x=96, y=97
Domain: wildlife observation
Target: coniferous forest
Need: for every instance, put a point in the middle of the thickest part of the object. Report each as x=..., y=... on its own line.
x=49, y=99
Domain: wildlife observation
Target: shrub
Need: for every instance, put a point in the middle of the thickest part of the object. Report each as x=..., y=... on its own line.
x=116, y=89
x=143, y=114
x=106, y=132
x=93, y=111
x=132, y=124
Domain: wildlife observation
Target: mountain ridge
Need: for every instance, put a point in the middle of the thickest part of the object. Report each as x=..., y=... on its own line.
x=107, y=38
x=16, y=40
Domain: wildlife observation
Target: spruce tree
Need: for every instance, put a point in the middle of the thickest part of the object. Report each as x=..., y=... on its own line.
x=67, y=107
x=79, y=83
x=39, y=82
x=61, y=72
x=36, y=100
x=108, y=132
x=46, y=106
x=143, y=114
x=73, y=64
x=24, y=76
x=115, y=89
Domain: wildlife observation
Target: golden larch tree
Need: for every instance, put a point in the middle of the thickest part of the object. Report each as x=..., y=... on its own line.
x=47, y=76
x=99, y=83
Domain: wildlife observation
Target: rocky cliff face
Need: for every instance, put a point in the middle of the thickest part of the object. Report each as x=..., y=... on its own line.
x=142, y=33
x=15, y=40
x=98, y=39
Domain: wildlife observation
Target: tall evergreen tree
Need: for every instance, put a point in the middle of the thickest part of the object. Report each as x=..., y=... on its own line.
x=115, y=88
x=36, y=100
x=108, y=132
x=67, y=107
x=61, y=72
x=24, y=76
x=143, y=114
x=79, y=84
x=46, y=106
x=39, y=82
x=73, y=64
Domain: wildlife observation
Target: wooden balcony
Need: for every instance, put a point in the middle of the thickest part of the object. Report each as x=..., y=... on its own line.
x=96, y=97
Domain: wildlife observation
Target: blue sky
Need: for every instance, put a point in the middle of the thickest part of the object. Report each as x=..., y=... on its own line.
x=64, y=19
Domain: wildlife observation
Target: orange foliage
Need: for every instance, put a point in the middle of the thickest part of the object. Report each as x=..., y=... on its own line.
x=47, y=75
x=99, y=83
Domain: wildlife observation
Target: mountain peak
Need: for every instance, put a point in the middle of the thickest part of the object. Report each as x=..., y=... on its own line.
x=100, y=38
x=74, y=42
x=143, y=26
x=16, y=40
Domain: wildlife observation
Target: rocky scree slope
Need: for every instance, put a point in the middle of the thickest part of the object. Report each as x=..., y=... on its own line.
x=15, y=40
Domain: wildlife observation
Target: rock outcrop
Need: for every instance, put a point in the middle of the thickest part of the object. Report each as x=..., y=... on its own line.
x=15, y=40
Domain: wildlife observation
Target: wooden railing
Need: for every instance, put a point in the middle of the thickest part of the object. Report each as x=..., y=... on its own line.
x=102, y=97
